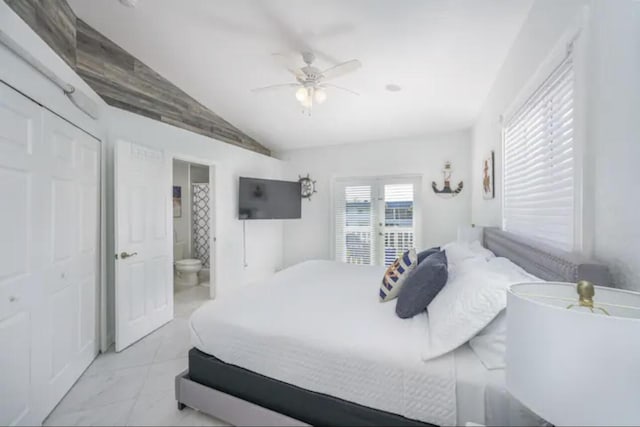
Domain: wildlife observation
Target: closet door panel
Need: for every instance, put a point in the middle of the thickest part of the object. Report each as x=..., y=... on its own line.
x=14, y=222
x=19, y=125
x=65, y=327
x=70, y=295
x=88, y=320
x=16, y=298
x=21, y=337
x=88, y=194
x=64, y=223
x=15, y=379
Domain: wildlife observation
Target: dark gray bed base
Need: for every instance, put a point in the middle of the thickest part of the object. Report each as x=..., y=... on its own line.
x=272, y=401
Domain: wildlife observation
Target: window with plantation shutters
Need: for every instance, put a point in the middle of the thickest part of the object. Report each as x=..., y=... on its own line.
x=355, y=224
x=374, y=219
x=539, y=193
x=398, y=220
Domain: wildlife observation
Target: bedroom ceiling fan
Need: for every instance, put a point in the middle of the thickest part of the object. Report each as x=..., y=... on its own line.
x=311, y=82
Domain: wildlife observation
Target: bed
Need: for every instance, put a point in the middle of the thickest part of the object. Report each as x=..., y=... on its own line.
x=313, y=346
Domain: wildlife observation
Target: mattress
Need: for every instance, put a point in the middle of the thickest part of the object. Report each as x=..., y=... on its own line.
x=319, y=326
x=309, y=407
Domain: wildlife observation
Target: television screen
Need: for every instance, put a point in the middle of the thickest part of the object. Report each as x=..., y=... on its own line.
x=269, y=199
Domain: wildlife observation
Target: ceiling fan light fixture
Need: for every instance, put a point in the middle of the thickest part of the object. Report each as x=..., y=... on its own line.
x=320, y=95
x=301, y=94
x=307, y=102
x=310, y=81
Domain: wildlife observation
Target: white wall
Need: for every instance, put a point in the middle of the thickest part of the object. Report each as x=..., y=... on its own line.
x=611, y=103
x=548, y=20
x=311, y=236
x=264, y=238
x=182, y=224
x=22, y=76
x=18, y=74
x=614, y=132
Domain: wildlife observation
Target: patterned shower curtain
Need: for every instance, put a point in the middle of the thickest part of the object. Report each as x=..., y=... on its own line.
x=200, y=222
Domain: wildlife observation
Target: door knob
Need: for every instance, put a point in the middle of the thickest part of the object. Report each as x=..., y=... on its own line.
x=125, y=255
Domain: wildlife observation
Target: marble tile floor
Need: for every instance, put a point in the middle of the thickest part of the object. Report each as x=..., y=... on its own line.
x=136, y=386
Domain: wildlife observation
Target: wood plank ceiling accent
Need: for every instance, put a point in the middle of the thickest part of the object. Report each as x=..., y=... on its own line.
x=120, y=78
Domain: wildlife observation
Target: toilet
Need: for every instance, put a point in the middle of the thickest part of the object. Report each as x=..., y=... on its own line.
x=186, y=269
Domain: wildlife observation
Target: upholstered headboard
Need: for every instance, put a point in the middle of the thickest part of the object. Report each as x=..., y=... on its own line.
x=543, y=261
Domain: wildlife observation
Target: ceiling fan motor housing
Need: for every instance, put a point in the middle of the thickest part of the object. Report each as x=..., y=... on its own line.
x=308, y=57
x=312, y=74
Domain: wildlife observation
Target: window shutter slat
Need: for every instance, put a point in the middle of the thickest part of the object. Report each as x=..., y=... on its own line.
x=539, y=165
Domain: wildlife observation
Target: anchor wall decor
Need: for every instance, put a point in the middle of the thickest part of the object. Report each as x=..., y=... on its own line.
x=446, y=191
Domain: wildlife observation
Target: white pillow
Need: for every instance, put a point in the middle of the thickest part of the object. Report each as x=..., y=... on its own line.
x=457, y=252
x=498, y=326
x=479, y=250
x=465, y=306
x=471, y=299
x=490, y=344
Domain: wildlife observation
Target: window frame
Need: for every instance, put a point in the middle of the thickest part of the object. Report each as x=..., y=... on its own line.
x=338, y=182
x=571, y=43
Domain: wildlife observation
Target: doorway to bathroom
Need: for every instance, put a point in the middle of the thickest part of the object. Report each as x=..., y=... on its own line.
x=193, y=234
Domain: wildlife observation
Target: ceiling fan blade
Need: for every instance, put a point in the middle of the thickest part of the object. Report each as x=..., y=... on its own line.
x=341, y=88
x=341, y=69
x=289, y=63
x=274, y=87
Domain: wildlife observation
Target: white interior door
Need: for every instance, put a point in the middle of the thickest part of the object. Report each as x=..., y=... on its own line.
x=144, y=268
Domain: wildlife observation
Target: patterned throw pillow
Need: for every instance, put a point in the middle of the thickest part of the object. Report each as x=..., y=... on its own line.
x=396, y=274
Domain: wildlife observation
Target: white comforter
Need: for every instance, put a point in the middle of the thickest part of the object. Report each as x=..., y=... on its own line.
x=319, y=325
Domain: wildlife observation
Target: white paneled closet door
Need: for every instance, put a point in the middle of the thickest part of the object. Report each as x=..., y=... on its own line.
x=71, y=275
x=22, y=250
x=49, y=222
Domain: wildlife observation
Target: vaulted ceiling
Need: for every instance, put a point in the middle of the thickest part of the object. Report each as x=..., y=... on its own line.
x=443, y=54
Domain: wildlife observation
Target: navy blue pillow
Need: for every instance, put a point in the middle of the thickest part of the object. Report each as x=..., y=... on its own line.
x=422, y=285
x=424, y=254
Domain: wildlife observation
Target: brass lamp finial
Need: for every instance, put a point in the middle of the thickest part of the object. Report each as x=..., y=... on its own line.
x=586, y=292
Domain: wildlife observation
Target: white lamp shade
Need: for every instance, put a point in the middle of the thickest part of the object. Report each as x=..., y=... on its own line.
x=574, y=367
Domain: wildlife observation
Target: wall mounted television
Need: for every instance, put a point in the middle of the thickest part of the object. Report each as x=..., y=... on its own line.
x=269, y=199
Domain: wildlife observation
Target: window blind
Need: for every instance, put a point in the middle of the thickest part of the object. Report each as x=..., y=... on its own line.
x=354, y=224
x=539, y=165
x=398, y=220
